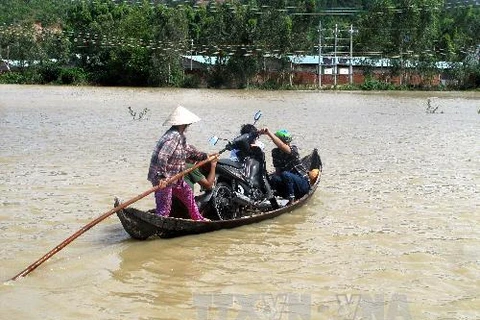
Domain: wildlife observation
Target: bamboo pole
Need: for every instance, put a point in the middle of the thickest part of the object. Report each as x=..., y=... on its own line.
x=123, y=205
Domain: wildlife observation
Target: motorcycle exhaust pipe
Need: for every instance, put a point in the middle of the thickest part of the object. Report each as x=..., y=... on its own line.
x=243, y=200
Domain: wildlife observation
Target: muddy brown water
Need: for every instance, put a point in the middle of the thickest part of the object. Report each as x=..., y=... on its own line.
x=392, y=231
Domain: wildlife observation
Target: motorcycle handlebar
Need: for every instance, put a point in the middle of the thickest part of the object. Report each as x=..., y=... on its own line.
x=241, y=142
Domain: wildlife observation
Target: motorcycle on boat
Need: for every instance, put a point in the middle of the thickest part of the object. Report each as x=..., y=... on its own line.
x=242, y=187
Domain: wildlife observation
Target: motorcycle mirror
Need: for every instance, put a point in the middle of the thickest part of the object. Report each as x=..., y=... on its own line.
x=213, y=140
x=257, y=116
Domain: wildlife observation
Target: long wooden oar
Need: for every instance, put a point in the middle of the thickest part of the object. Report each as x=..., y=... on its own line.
x=123, y=205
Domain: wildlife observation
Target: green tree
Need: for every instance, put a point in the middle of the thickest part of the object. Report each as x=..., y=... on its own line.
x=170, y=36
x=142, y=42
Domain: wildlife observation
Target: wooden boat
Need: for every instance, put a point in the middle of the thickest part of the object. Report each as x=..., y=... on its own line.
x=144, y=224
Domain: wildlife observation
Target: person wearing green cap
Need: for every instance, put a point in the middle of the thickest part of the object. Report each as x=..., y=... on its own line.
x=290, y=179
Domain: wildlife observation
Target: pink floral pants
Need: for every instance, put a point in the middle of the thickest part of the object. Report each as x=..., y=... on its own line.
x=183, y=192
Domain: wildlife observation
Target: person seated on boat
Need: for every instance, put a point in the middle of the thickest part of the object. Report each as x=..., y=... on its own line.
x=290, y=179
x=203, y=176
x=205, y=180
x=246, y=146
x=169, y=158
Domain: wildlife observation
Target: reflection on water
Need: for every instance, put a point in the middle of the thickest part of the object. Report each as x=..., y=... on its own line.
x=394, y=222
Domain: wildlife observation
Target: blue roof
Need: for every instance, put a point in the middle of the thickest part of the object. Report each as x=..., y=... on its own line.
x=327, y=60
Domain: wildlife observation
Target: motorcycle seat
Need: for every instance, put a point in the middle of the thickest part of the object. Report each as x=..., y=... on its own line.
x=231, y=163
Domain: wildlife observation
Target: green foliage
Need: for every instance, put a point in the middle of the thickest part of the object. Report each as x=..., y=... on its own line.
x=46, y=12
x=55, y=73
x=371, y=84
x=49, y=72
x=72, y=76
x=12, y=78
x=191, y=81
x=242, y=68
x=467, y=73
x=20, y=77
x=219, y=77
x=166, y=71
x=138, y=43
x=270, y=84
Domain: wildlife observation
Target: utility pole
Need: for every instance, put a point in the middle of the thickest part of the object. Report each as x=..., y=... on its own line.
x=320, y=54
x=401, y=66
x=335, y=56
x=191, y=55
x=351, y=54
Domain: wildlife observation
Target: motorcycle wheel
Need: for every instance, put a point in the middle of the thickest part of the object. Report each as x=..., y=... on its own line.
x=223, y=201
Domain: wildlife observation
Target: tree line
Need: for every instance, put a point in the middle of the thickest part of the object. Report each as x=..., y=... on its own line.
x=141, y=42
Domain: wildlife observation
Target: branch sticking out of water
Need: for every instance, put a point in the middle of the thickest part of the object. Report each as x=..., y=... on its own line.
x=431, y=108
x=140, y=115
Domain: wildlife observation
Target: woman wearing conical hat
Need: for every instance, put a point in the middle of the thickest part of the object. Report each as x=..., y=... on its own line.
x=168, y=158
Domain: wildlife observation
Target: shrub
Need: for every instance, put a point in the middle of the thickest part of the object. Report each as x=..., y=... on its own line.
x=17, y=77
x=12, y=78
x=73, y=76
x=372, y=84
x=190, y=81
x=49, y=72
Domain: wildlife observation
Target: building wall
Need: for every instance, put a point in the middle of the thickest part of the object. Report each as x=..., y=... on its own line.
x=306, y=75
x=311, y=78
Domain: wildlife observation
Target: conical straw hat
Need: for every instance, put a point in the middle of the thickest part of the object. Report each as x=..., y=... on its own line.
x=181, y=116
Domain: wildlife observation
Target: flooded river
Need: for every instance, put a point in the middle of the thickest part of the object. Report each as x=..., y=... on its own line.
x=391, y=233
